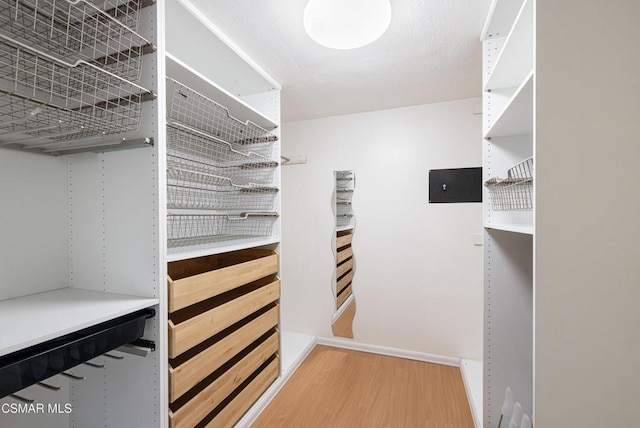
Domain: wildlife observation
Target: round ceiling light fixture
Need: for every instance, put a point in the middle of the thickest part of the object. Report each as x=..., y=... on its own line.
x=346, y=24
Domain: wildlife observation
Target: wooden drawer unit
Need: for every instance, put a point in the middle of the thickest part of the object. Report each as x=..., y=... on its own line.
x=197, y=323
x=344, y=282
x=194, y=280
x=343, y=240
x=344, y=254
x=342, y=297
x=244, y=378
x=344, y=268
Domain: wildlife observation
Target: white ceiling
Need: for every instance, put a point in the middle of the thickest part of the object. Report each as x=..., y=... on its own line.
x=430, y=53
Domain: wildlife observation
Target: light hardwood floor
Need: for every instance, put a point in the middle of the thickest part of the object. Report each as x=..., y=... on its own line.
x=343, y=326
x=336, y=388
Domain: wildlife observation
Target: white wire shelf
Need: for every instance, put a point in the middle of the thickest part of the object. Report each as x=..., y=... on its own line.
x=196, y=229
x=100, y=32
x=514, y=192
x=343, y=208
x=343, y=219
x=190, y=108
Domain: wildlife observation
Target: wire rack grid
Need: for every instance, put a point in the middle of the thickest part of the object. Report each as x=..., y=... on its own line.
x=343, y=208
x=514, y=192
x=101, y=32
x=189, y=150
x=197, y=111
x=343, y=219
x=344, y=195
x=194, y=229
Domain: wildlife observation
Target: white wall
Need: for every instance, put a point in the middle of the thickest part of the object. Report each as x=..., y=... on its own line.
x=418, y=280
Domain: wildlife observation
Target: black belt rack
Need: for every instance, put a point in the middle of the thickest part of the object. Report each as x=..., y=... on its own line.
x=34, y=364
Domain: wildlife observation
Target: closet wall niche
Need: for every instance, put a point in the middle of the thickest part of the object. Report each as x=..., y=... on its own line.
x=342, y=286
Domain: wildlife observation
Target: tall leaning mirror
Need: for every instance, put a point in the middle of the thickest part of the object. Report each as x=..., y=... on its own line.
x=345, y=220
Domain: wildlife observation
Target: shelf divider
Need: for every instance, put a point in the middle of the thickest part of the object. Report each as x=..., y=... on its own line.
x=517, y=117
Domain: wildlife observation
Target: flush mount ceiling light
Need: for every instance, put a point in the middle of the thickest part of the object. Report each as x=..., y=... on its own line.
x=346, y=24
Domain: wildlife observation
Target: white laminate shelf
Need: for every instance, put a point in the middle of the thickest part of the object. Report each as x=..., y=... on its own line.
x=502, y=14
x=193, y=251
x=240, y=110
x=37, y=318
x=515, y=61
x=343, y=228
x=525, y=229
x=517, y=117
x=472, y=373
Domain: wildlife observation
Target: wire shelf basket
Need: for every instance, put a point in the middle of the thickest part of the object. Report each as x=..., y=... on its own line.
x=344, y=195
x=199, y=112
x=101, y=32
x=46, y=101
x=194, y=229
x=343, y=219
x=343, y=208
x=192, y=190
x=514, y=192
x=344, y=175
x=189, y=150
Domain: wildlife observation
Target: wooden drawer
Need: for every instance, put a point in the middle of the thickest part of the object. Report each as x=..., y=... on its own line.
x=194, y=325
x=232, y=413
x=344, y=254
x=206, y=400
x=344, y=268
x=343, y=240
x=342, y=297
x=343, y=282
x=189, y=373
x=194, y=280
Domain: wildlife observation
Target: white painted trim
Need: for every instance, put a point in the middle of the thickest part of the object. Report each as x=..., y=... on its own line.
x=475, y=407
x=258, y=407
x=227, y=41
x=342, y=308
x=391, y=352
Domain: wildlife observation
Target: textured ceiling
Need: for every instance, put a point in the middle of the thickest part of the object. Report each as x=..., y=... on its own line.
x=430, y=53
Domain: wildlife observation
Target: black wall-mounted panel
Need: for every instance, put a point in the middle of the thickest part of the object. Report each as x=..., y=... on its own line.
x=455, y=185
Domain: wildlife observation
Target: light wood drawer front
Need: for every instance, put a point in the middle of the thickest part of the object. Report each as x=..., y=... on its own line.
x=191, y=332
x=206, y=400
x=346, y=280
x=191, y=372
x=228, y=416
x=344, y=255
x=193, y=289
x=344, y=268
x=344, y=296
x=343, y=240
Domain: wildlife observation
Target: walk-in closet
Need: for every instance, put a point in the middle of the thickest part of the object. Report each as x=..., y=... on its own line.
x=320, y=213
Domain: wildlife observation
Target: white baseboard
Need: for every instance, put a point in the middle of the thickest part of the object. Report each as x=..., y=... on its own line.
x=391, y=352
x=472, y=377
x=258, y=407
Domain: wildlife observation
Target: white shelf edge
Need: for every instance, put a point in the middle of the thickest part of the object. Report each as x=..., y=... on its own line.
x=36, y=318
x=184, y=253
x=499, y=18
x=471, y=371
x=511, y=55
x=343, y=228
x=517, y=117
x=525, y=229
x=239, y=109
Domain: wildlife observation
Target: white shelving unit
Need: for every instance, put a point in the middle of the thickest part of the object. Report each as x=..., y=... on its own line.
x=508, y=245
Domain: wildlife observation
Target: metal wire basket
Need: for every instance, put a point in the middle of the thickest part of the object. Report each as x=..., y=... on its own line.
x=514, y=192
x=199, y=112
x=101, y=32
x=192, y=190
x=47, y=101
x=190, y=150
x=343, y=219
x=344, y=195
x=343, y=208
x=197, y=229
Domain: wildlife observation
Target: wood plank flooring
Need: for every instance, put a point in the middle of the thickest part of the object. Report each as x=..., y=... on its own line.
x=343, y=326
x=336, y=388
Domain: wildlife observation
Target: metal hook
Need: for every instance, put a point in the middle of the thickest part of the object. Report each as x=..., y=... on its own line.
x=72, y=376
x=94, y=365
x=48, y=386
x=22, y=399
x=115, y=357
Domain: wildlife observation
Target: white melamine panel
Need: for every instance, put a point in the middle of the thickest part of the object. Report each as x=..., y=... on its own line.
x=44, y=316
x=587, y=272
x=471, y=371
x=508, y=311
x=526, y=229
x=515, y=61
x=33, y=223
x=502, y=14
x=418, y=285
x=193, y=42
x=264, y=103
x=53, y=412
x=517, y=116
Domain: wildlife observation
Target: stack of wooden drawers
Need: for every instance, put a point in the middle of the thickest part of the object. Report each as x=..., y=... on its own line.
x=223, y=336
x=344, y=260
